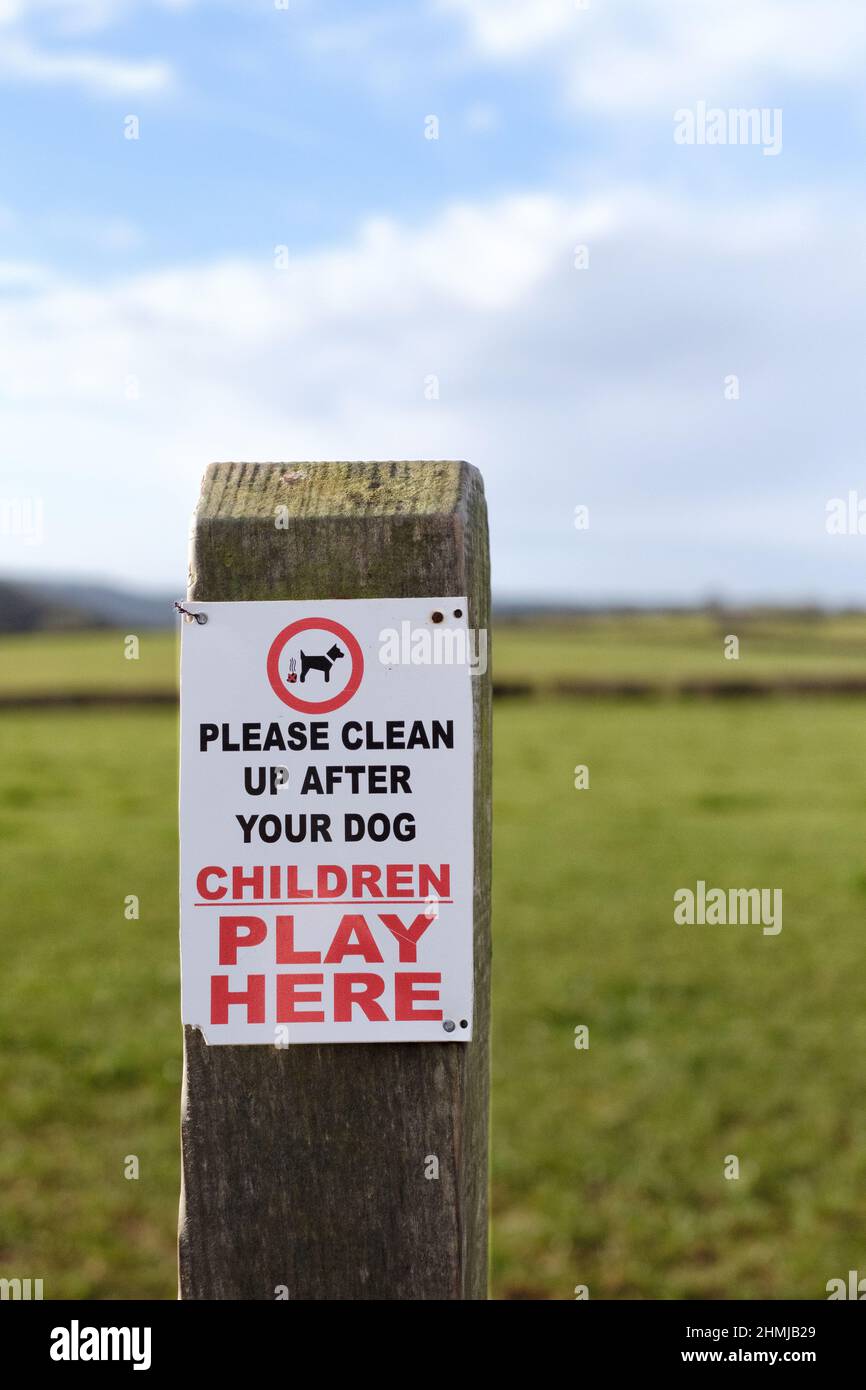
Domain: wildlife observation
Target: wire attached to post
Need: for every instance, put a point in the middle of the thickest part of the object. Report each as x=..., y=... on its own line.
x=188, y=613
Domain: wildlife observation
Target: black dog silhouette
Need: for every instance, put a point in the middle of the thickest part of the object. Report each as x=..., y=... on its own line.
x=320, y=663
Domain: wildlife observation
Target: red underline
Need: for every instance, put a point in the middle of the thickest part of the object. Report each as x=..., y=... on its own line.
x=317, y=902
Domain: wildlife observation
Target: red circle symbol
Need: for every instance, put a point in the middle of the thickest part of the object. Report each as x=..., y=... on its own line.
x=278, y=646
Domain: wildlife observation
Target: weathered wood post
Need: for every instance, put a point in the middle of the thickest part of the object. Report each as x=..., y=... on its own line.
x=303, y=1167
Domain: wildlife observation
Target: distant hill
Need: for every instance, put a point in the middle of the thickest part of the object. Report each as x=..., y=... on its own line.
x=43, y=605
x=63, y=606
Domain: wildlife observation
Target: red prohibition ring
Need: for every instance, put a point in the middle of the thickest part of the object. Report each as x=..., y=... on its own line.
x=278, y=647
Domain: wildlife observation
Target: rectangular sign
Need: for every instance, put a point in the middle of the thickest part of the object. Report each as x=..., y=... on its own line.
x=326, y=821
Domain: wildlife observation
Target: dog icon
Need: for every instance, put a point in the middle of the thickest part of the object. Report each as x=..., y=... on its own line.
x=320, y=663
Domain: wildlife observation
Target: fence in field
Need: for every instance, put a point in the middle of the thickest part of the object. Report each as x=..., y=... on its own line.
x=599, y=688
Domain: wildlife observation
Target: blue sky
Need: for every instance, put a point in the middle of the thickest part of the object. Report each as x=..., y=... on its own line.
x=145, y=328
x=260, y=124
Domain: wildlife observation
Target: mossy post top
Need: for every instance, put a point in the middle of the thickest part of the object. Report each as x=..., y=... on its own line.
x=338, y=530
x=411, y=487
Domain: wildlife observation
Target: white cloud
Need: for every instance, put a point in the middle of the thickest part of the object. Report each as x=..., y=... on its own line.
x=79, y=16
x=115, y=235
x=482, y=118
x=602, y=386
x=18, y=274
x=622, y=58
x=35, y=46
x=512, y=28
x=21, y=61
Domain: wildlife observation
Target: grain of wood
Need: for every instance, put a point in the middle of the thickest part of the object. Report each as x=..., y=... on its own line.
x=303, y=1168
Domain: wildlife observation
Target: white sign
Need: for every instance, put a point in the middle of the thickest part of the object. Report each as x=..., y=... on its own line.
x=326, y=821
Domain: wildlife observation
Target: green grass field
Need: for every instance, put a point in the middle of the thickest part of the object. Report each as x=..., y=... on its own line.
x=665, y=647
x=607, y=1163
x=36, y=663
x=660, y=647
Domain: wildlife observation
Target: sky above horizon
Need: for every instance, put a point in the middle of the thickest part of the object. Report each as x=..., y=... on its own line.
x=283, y=265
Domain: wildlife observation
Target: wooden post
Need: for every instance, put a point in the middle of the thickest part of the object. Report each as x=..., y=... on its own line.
x=303, y=1167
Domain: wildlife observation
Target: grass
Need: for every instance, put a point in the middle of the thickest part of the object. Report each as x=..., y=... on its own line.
x=665, y=647
x=656, y=646
x=89, y=1051
x=36, y=663
x=607, y=1163
x=704, y=1041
